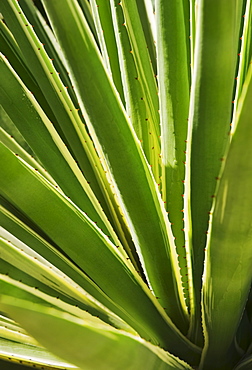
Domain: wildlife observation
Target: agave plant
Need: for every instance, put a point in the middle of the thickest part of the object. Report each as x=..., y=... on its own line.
x=125, y=188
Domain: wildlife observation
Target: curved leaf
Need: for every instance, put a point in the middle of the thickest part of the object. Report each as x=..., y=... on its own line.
x=90, y=341
x=34, y=357
x=92, y=251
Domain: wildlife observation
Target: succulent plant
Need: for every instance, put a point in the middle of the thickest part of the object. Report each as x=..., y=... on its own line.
x=125, y=187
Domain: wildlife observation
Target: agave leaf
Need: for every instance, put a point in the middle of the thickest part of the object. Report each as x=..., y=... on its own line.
x=10, y=324
x=60, y=220
x=17, y=347
x=38, y=294
x=227, y=276
x=90, y=340
x=245, y=364
x=52, y=254
x=13, y=332
x=9, y=131
x=66, y=118
x=47, y=144
x=148, y=24
x=133, y=181
x=86, y=7
x=12, y=52
x=44, y=275
x=133, y=91
x=243, y=337
x=173, y=70
x=142, y=60
x=88, y=160
x=136, y=96
x=31, y=356
x=217, y=39
x=9, y=141
x=245, y=55
x=104, y=26
x=135, y=246
x=16, y=336
x=45, y=35
x=139, y=80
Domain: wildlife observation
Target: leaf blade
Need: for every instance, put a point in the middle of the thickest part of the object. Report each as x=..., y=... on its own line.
x=112, y=273
x=209, y=122
x=125, y=158
x=173, y=70
x=231, y=229
x=99, y=341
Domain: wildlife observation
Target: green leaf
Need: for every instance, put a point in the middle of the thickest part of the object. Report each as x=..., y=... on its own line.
x=13, y=332
x=65, y=118
x=9, y=130
x=46, y=277
x=86, y=8
x=53, y=254
x=139, y=80
x=218, y=24
x=17, y=347
x=45, y=35
x=10, y=143
x=104, y=26
x=148, y=25
x=48, y=146
x=227, y=276
x=193, y=5
x=245, y=364
x=173, y=69
x=245, y=55
x=133, y=182
x=90, y=340
x=142, y=115
x=60, y=220
x=31, y=356
x=12, y=52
